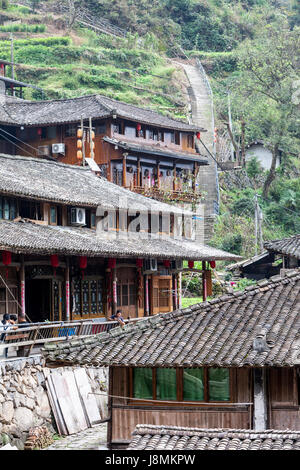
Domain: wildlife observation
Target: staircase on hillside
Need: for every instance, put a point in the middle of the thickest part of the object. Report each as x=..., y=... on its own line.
x=201, y=99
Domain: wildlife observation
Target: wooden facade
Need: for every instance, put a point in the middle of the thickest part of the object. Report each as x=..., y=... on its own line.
x=160, y=163
x=237, y=413
x=69, y=293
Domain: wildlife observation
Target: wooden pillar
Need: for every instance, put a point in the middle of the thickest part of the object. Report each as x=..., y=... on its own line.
x=110, y=406
x=158, y=177
x=124, y=182
x=138, y=180
x=179, y=290
x=147, y=306
x=22, y=313
x=67, y=292
x=114, y=291
x=260, y=414
x=204, y=286
x=174, y=177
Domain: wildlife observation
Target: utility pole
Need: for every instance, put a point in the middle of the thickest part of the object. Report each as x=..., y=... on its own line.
x=12, y=56
x=230, y=126
x=258, y=225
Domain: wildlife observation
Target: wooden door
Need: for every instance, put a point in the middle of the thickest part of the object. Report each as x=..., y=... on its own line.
x=127, y=291
x=161, y=294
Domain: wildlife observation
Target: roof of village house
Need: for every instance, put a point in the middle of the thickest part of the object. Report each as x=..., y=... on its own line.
x=160, y=149
x=50, y=112
x=56, y=182
x=249, y=261
x=256, y=327
x=286, y=246
x=34, y=238
x=153, y=437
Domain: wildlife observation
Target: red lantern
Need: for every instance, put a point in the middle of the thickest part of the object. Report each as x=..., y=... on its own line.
x=139, y=263
x=198, y=135
x=54, y=262
x=166, y=263
x=191, y=264
x=82, y=264
x=138, y=127
x=6, y=259
x=39, y=131
x=112, y=263
x=212, y=264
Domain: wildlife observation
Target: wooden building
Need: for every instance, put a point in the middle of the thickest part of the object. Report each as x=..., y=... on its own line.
x=134, y=147
x=75, y=246
x=280, y=254
x=232, y=362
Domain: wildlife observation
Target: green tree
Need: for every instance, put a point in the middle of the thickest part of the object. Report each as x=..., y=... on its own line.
x=264, y=91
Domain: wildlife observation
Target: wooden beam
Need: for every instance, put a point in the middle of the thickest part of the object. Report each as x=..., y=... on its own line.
x=260, y=414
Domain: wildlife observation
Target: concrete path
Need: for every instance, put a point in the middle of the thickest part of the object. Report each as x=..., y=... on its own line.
x=202, y=116
x=91, y=439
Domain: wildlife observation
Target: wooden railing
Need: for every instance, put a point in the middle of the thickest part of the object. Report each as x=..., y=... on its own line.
x=167, y=195
x=37, y=334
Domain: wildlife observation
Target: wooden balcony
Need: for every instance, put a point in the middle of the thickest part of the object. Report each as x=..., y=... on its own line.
x=168, y=195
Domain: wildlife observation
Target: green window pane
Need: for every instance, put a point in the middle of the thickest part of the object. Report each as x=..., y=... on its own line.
x=218, y=384
x=53, y=215
x=142, y=383
x=166, y=384
x=193, y=385
x=6, y=209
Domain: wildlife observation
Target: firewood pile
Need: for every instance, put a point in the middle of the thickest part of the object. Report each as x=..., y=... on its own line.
x=38, y=438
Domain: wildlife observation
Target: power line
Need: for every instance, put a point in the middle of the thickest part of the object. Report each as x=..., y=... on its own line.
x=13, y=143
x=22, y=141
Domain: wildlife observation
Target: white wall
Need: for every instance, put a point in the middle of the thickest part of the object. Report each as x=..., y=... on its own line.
x=264, y=155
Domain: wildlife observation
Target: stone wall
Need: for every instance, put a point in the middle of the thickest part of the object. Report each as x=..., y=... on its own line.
x=24, y=401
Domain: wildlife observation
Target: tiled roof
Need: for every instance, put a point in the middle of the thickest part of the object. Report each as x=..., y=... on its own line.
x=38, y=113
x=159, y=149
x=256, y=327
x=151, y=437
x=28, y=237
x=286, y=246
x=46, y=180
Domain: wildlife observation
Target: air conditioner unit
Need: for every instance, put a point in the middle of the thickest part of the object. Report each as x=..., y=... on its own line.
x=44, y=150
x=58, y=148
x=77, y=216
x=150, y=266
x=176, y=265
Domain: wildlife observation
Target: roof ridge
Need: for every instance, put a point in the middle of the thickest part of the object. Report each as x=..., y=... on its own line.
x=161, y=318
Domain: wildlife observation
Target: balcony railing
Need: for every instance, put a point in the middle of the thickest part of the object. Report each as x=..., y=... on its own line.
x=37, y=334
x=168, y=195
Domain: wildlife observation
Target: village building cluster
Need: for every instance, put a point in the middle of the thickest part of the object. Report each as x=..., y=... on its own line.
x=99, y=212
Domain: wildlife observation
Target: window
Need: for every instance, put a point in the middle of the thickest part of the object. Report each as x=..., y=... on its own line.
x=9, y=300
x=190, y=141
x=71, y=130
x=87, y=297
x=100, y=128
x=177, y=138
x=53, y=215
x=30, y=210
x=126, y=294
x=8, y=208
x=185, y=385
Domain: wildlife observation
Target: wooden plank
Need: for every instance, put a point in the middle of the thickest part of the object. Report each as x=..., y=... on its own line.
x=61, y=426
x=87, y=398
x=69, y=401
x=17, y=336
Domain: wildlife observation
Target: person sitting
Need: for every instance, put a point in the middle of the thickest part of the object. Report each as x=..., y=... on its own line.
x=7, y=324
x=118, y=317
